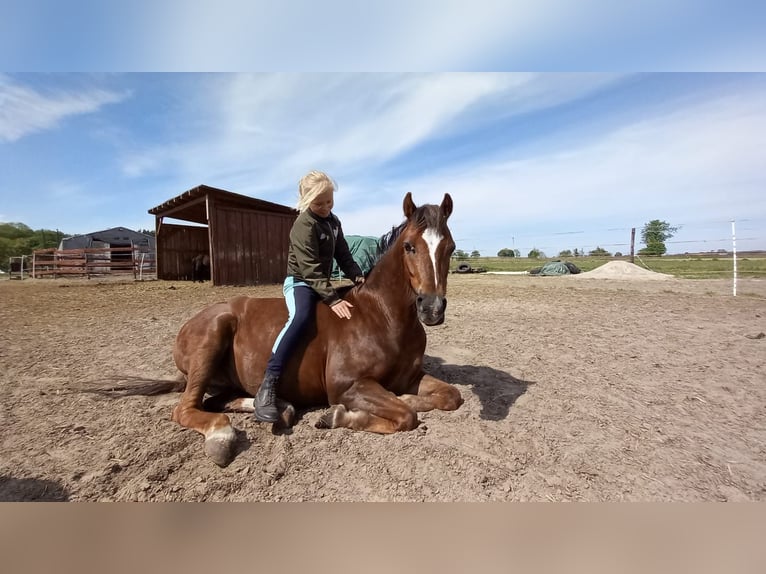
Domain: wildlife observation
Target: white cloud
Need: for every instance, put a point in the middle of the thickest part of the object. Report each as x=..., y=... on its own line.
x=24, y=110
x=264, y=130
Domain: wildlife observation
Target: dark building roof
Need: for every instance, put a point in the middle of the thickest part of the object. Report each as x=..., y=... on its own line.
x=192, y=204
x=114, y=235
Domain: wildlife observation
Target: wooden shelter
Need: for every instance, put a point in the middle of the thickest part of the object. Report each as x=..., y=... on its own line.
x=246, y=238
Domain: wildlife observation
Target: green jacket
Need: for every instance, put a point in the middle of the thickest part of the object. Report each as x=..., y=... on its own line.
x=314, y=243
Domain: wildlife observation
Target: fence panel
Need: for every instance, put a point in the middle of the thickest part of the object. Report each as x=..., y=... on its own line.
x=92, y=261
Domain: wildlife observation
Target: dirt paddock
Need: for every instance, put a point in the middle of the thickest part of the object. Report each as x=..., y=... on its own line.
x=575, y=389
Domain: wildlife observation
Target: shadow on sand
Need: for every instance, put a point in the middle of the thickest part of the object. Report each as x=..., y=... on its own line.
x=497, y=390
x=31, y=490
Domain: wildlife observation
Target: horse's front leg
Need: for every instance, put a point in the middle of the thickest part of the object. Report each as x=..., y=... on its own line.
x=431, y=393
x=232, y=402
x=367, y=406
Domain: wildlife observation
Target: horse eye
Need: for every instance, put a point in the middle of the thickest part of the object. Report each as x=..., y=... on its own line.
x=408, y=247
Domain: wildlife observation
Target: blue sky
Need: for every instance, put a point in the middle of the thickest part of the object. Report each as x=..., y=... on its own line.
x=547, y=160
x=382, y=35
x=553, y=158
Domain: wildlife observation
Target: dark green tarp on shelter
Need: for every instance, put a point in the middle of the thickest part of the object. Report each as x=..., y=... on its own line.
x=363, y=250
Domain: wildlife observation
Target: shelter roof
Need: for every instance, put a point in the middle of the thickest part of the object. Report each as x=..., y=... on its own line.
x=111, y=235
x=191, y=205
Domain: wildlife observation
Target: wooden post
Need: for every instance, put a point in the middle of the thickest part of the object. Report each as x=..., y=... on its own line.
x=632, y=244
x=133, y=258
x=734, y=257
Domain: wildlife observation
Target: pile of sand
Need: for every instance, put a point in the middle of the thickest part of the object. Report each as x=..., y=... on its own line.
x=623, y=270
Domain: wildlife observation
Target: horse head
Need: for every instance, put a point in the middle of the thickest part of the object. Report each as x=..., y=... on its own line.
x=427, y=246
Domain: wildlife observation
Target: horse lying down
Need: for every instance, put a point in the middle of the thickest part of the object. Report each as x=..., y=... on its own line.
x=368, y=370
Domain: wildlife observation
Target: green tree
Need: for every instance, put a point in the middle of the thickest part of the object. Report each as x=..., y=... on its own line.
x=18, y=239
x=505, y=252
x=535, y=253
x=460, y=254
x=15, y=230
x=475, y=253
x=654, y=235
x=6, y=252
x=599, y=252
x=565, y=253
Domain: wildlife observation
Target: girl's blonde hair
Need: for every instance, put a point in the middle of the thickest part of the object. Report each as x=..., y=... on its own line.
x=312, y=185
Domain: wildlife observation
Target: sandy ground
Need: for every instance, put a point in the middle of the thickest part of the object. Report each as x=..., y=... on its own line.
x=576, y=388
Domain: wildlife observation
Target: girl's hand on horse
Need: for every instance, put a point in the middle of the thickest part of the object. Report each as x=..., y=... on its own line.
x=359, y=279
x=342, y=309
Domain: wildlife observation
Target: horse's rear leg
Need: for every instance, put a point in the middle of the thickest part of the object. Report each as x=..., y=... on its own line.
x=431, y=393
x=369, y=407
x=203, y=350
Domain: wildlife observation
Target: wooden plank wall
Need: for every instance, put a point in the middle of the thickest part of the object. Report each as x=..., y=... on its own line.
x=89, y=262
x=249, y=247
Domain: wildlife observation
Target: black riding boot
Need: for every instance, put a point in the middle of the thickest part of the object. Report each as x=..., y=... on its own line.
x=266, y=400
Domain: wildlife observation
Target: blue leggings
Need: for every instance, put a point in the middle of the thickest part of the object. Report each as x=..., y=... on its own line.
x=301, y=305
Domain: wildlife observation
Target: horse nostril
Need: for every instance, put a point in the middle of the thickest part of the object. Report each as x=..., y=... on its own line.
x=420, y=300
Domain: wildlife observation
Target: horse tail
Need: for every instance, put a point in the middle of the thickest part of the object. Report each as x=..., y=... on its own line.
x=130, y=386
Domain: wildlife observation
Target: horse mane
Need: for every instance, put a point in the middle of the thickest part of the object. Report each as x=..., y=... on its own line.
x=423, y=217
x=386, y=241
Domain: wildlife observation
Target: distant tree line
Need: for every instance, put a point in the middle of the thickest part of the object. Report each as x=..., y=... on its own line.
x=460, y=254
x=654, y=235
x=18, y=239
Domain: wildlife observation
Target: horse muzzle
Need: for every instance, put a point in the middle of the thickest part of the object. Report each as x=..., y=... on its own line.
x=431, y=309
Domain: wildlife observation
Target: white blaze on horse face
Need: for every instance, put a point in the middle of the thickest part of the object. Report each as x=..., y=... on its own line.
x=433, y=238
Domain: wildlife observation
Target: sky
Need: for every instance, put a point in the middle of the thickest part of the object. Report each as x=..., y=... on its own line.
x=551, y=161
x=114, y=114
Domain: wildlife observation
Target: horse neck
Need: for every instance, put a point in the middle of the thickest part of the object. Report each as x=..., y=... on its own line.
x=389, y=284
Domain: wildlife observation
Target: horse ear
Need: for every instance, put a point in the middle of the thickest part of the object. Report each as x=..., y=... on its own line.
x=409, y=205
x=446, y=207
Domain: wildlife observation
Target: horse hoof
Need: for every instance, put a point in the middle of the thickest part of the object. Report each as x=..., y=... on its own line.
x=287, y=416
x=329, y=419
x=219, y=446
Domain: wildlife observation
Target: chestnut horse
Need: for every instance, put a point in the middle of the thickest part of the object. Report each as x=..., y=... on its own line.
x=369, y=368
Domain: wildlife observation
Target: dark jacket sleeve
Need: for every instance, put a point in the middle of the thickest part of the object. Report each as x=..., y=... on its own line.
x=344, y=258
x=305, y=246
